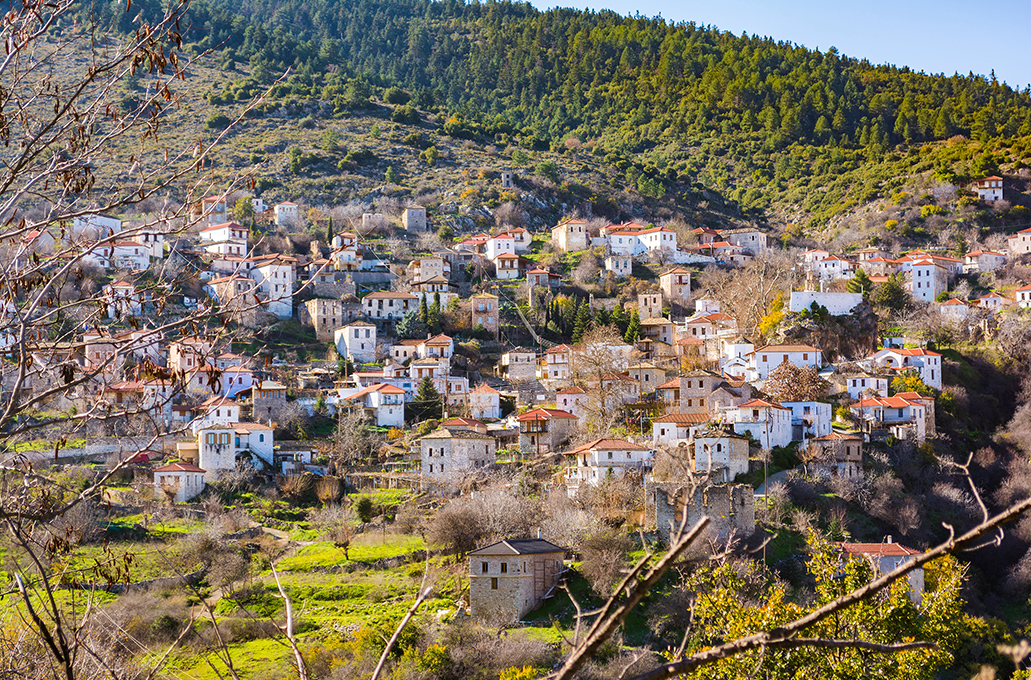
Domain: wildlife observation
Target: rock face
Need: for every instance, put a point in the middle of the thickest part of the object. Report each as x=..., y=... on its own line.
x=851, y=336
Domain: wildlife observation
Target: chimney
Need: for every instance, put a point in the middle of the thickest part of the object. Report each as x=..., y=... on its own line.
x=540, y=534
x=887, y=539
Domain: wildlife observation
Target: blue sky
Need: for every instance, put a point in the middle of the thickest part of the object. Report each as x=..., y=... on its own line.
x=945, y=36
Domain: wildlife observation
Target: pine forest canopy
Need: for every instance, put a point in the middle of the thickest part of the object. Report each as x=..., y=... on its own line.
x=644, y=89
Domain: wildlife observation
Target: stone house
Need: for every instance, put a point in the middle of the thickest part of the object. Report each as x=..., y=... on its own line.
x=447, y=453
x=178, y=482
x=649, y=306
x=544, y=430
x=570, y=236
x=485, y=402
x=621, y=266
x=414, y=219
x=691, y=392
x=518, y=364
x=648, y=375
x=717, y=450
x=485, y=312
x=511, y=577
x=676, y=289
x=427, y=268
x=557, y=362
x=285, y=214
x=324, y=315
x=729, y=507
x=837, y=454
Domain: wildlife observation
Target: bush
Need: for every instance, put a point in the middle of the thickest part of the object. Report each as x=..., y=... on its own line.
x=395, y=95
x=217, y=121
x=457, y=528
x=405, y=114
x=364, y=509
x=604, y=557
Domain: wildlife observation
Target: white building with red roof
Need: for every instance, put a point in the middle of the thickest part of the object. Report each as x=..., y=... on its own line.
x=901, y=414
x=484, y=402
x=122, y=299
x=384, y=403
x=506, y=266
x=954, y=310
x=993, y=302
x=926, y=363
x=633, y=239
x=573, y=400
x=977, y=261
x=674, y=429
x=768, y=422
x=596, y=461
x=502, y=244
x=220, y=447
x=1023, y=295
x=557, y=363
x=887, y=557
x=233, y=234
x=989, y=189
x=178, y=482
x=1020, y=243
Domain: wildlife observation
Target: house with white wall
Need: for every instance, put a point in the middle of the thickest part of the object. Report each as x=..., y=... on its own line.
x=809, y=419
x=926, y=280
x=837, y=304
x=357, y=340
x=221, y=446
x=384, y=305
x=286, y=214
x=484, y=402
x=275, y=278
x=569, y=236
x=926, y=363
x=769, y=423
x=989, y=189
x=601, y=459
x=764, y=360
x=383, y=403
x=716, y=449
x=179, y=482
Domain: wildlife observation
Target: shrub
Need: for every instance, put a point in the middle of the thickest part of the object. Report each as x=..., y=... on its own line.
x=217, y=121
x=604, y=556
x=364, y=508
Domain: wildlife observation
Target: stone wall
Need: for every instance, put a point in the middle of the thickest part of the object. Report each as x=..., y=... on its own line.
x=729, y=507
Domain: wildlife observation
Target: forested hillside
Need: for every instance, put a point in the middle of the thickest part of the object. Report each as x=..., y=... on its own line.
x=674, y=107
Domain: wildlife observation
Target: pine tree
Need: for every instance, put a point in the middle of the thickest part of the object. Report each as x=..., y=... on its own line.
x=601, y=318
x=410, y=325
x=633, y=329
x=860, y=283
x=892, y=294
x=427, y=402
x=329, y=231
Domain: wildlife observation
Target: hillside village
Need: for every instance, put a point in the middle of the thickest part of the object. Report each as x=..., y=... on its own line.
x=447, y=367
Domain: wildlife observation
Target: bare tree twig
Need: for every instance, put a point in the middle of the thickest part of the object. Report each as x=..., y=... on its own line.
x=424, y=593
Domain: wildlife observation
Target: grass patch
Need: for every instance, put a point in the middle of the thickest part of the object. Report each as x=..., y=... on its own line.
x=364, y=548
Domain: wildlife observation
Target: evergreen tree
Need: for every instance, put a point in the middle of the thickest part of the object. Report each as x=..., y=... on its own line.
x=427, y=403
x=410, y=325
x=329, y=231
x=892, y=294
x=583, y=320
x=619, y=318
x=601, y=318
x=433, y=316
x=424, y=312
x=860, y=283
x=633, y=329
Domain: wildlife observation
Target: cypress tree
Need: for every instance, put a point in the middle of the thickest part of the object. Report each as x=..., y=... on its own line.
x=433, y=316
x=424, y=312
x=583, y=319
x=619, y=318
x=633, y=329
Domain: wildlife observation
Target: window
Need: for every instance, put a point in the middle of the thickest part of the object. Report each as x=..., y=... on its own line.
x=610, y=455
x=494, y=583
x=504, y=567
x=223, y=438
x=261, y=437
x=211, y=438
x=483, y=567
